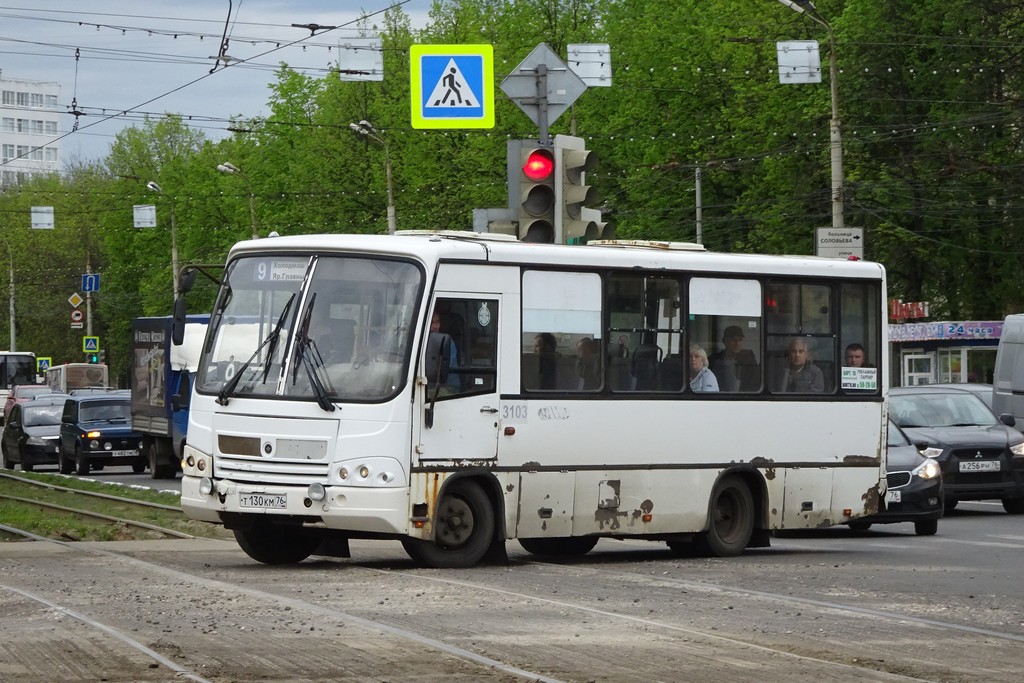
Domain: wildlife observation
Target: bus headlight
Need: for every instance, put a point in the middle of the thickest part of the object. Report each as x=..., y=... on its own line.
x=195, y=463
x=206, y=486
x=372, y=472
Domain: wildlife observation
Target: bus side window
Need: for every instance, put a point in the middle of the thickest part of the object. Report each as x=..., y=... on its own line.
x=562, y=346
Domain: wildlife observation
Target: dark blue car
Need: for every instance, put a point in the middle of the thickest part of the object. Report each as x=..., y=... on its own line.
x=96, y=431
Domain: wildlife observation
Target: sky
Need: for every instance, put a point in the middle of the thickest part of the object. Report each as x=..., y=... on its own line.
x=156, y=57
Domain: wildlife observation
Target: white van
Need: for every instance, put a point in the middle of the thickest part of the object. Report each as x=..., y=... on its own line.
x=1008, y=396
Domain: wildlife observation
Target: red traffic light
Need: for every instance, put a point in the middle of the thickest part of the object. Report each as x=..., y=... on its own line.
x=539, y=165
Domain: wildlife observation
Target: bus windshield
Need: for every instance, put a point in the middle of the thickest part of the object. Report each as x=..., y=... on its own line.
x=297, y=326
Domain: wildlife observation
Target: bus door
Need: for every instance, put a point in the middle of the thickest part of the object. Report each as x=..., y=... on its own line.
x=465, y=405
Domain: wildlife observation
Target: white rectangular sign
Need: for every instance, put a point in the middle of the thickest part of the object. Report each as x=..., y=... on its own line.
x=840, y=242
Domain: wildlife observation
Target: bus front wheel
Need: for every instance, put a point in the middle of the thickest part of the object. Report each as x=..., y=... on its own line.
x=463, y=527
x=732, y=519
x=275, y=543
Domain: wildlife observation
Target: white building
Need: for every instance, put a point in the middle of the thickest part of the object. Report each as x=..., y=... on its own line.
x=29, y=124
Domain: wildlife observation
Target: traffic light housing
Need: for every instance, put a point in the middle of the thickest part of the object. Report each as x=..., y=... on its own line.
x=576, y=221
x=92, y=357
x=535, y=192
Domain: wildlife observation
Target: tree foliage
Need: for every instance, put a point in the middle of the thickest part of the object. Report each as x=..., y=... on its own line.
x=929, y=102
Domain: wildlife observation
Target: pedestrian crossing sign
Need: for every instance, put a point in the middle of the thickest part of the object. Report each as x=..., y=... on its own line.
x=90, y=344
x=452, y=86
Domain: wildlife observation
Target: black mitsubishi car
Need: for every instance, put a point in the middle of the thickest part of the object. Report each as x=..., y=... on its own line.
x=95, y=431
x=982, y=456
x=914, y=491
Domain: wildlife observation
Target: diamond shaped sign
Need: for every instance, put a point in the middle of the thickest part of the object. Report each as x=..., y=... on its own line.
x=563, y=86
x=75, y=300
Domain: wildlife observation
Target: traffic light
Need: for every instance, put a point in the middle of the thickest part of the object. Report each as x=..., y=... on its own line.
x=536, y=200
x=92, y=357
x=575, y=220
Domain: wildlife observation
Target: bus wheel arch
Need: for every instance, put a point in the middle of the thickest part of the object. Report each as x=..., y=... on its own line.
x=467, y=524
x=735, y=510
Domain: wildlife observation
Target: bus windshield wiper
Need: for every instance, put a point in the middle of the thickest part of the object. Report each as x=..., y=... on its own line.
x=304, y=352
x=271, y=340
x=275, y=336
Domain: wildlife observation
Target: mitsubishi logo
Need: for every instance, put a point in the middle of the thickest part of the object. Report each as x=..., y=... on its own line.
x=978, y=456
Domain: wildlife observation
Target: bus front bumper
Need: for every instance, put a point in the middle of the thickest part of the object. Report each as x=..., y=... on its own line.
x=363, y=509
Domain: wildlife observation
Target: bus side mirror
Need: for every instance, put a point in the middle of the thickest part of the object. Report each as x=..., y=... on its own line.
x=178, y=322
x=439, y=348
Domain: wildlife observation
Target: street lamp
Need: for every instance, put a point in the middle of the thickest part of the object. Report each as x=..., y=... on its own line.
x=366, y=128
x=231, y=169
x=10, y=272
x=834, y=133
x=153, y=187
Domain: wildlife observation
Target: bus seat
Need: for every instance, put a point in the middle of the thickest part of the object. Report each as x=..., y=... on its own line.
x=672, y=372
x=644, y=368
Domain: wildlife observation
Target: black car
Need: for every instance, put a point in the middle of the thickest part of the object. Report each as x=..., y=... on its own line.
x=914, y=488
x=981, y=456
x=31, y=432
x=96, y=430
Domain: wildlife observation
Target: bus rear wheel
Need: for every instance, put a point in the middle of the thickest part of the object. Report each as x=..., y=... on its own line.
x=731, y=521
x=463, y=527
x=275, y=543
x=570, y=546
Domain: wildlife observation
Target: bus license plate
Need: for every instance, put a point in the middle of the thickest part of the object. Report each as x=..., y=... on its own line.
x=893, y=496
x=979, y=466
x=262, y=501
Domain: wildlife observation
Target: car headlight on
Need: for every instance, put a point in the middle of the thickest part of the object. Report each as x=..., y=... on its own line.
x=1018, y=448
x=931, y=452
x=929, y=469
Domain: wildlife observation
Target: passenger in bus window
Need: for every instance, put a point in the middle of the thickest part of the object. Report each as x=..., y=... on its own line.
x=588, y=365
x=734, y=366
x=453, y=355
x=856, y=356
x=545, y=345
x=800, y=375
x=701, y=377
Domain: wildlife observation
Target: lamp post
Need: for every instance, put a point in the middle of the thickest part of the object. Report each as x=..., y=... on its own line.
x=834, y=129
x=231, y=169
x=10, y=273
x=153, y=187
x=366, y=128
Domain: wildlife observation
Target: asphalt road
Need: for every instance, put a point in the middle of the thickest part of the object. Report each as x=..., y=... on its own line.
x=835, y=605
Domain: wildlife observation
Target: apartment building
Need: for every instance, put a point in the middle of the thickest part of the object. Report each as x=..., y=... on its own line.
x=29, y=123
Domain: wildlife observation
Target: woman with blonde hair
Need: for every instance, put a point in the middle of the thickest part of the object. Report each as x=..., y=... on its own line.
x=701, y=377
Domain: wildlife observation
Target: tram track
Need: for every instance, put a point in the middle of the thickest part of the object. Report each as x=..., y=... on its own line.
x=670, y=613
x=704, y=645
x=103, y=515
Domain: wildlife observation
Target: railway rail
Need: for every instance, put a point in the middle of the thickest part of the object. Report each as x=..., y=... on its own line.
x=530, y=620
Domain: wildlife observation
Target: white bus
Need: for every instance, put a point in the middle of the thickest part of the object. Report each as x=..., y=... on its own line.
x=16, y=367
x=326, y=408
x=70, y=376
